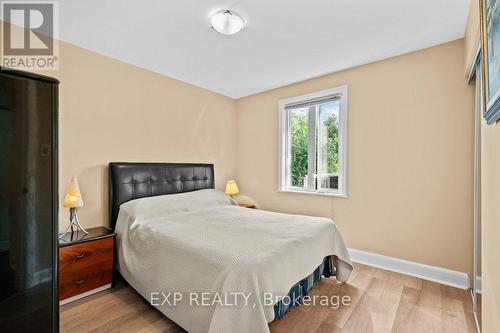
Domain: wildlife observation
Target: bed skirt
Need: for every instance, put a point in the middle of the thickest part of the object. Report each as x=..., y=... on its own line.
x=302, y=288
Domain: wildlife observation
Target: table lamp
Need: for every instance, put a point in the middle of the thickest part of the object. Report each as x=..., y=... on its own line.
x=231, y=188
x=73, y=200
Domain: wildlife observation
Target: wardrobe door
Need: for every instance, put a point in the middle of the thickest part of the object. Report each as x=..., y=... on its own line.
x=476, y=269
x=28, y=163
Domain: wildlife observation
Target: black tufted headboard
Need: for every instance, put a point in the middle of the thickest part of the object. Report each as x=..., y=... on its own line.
x=129, y=181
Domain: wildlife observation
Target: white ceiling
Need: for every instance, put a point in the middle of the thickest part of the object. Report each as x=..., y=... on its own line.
x=285, y=41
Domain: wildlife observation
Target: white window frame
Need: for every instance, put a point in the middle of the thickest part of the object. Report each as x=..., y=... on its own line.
x=284, y=147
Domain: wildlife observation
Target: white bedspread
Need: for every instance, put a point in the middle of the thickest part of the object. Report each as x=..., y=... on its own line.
x=200, y=242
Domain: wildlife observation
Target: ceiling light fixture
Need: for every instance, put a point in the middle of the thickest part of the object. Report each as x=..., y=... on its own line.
x=227, y=22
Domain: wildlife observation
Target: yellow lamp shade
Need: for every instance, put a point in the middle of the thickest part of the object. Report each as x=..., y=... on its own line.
x=231, y=188
x=73, y=195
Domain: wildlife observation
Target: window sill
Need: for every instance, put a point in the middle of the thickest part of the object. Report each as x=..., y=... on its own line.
x=321, y=194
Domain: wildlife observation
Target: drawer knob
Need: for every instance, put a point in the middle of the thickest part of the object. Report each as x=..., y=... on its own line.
x=80, y=256
x=79, y=282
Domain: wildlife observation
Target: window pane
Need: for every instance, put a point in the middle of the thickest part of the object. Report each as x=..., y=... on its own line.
x=298, y=147
x=327, y=146
x=311, y=149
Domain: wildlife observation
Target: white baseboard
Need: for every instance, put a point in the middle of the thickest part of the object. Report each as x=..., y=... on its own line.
x=82, y=295
x=478, y=284
x=426, y=272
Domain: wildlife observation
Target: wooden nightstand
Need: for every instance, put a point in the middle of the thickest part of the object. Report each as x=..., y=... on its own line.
x=85, y=264
x=245, y=205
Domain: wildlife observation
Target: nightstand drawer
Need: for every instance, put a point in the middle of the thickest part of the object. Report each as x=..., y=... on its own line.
x=75, y=282
x=83, y=255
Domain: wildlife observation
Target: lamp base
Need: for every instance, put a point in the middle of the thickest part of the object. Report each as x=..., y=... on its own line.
x=74, y=225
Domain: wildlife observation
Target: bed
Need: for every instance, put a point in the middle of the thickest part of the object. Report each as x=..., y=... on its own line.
x=206, y=263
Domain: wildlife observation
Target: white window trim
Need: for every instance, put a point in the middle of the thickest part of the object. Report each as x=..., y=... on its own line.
x=283, y=132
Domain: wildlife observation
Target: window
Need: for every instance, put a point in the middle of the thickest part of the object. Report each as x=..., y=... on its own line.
x=313, y=143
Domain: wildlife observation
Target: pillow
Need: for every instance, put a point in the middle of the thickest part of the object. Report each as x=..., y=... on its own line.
x=162, y=205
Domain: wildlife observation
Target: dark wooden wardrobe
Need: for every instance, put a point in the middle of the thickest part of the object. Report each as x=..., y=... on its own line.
x=28, y=202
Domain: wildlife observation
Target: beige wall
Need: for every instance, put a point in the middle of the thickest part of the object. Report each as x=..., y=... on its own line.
x=490, y=224
x=112, y=111
x=472, y=38
x=409, y=158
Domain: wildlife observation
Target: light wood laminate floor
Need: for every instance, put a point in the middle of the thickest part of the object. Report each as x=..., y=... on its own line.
x=381, y=301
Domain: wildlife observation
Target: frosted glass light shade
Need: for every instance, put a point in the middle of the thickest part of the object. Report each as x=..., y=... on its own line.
x=73, y=195
x=231, y=188
x=227, y=22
